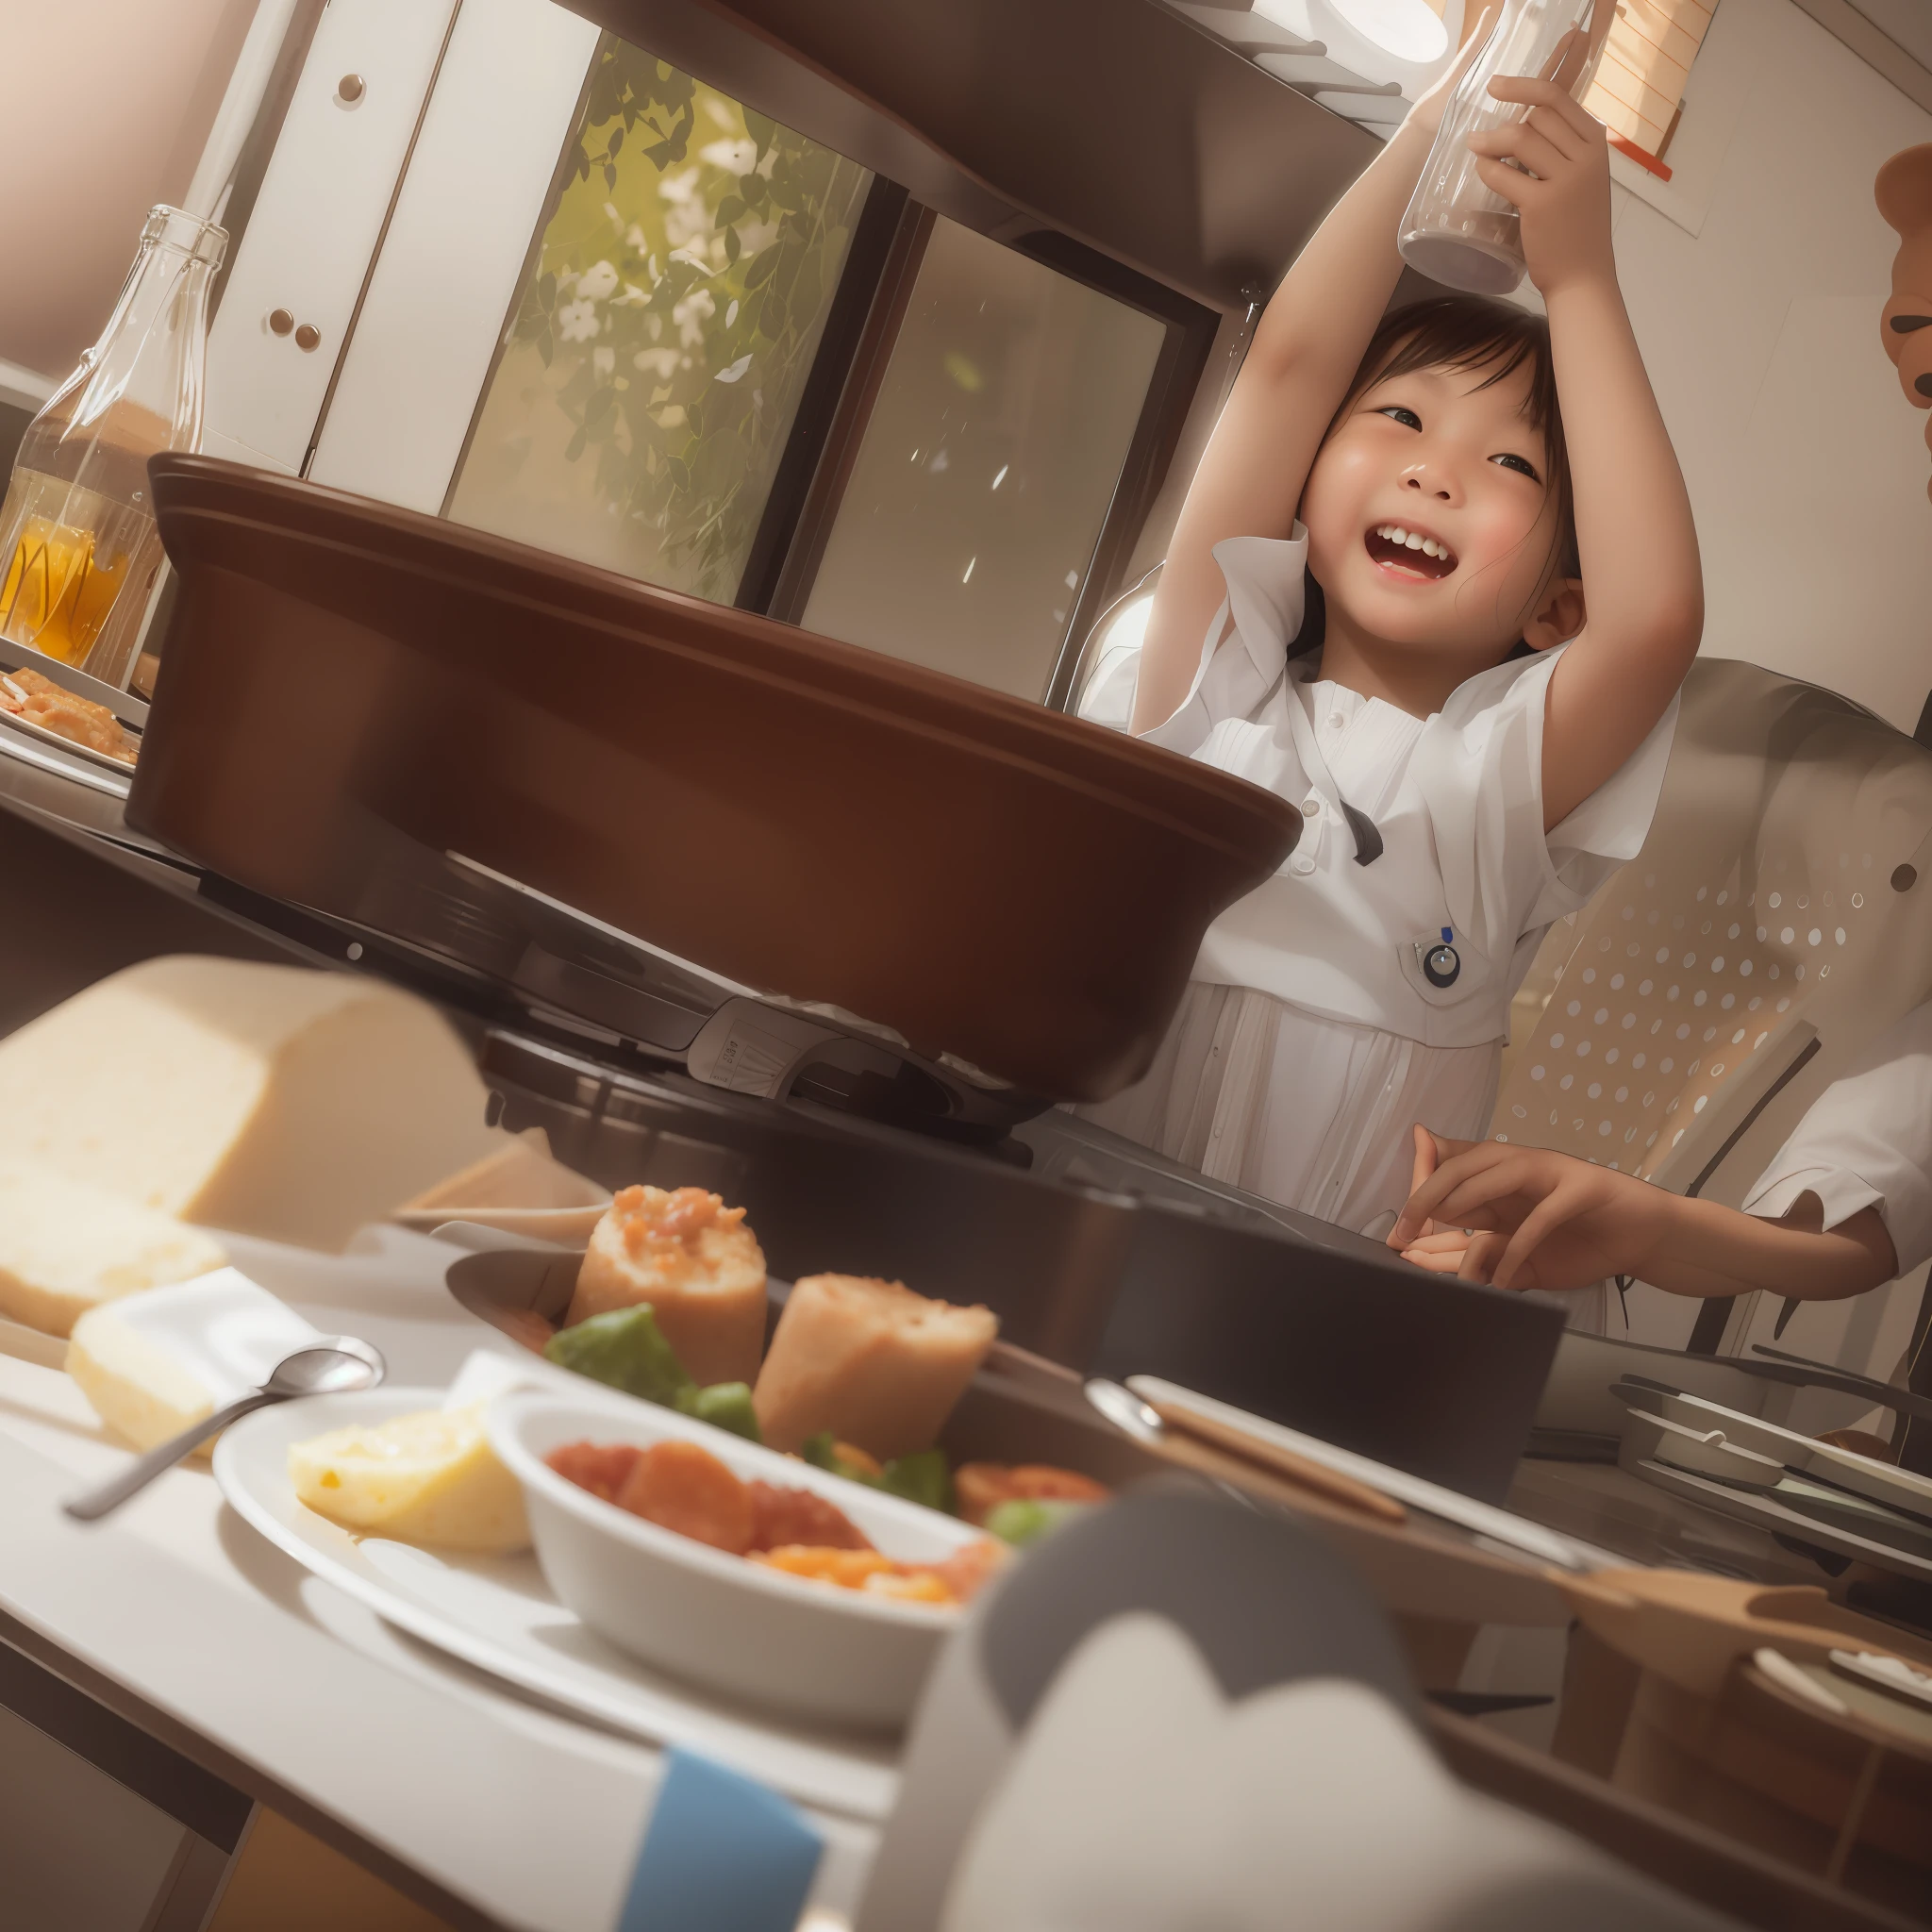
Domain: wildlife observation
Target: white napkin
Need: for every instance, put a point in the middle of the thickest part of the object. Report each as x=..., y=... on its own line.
x=1142, y=1800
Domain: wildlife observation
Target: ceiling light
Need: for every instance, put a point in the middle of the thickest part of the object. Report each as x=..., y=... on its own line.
x=1410, y=29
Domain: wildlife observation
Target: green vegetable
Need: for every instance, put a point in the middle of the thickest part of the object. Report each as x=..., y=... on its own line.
x=1026, y=1519
x=725, y=1405
x=821, y=1452
x=626, y=1349
x=921, y=1477
x=925, y=1477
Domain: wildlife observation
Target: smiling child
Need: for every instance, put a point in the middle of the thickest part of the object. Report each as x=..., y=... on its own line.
x=1374, y=603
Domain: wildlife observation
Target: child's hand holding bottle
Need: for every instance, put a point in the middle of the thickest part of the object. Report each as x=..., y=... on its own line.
x=1560, y=182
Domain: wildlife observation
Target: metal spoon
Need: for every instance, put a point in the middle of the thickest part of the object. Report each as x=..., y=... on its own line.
x=1141, y=1422
x=332, y=1367
x=1126, y=1411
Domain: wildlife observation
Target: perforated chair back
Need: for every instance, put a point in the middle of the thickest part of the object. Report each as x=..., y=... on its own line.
x=1778, y=916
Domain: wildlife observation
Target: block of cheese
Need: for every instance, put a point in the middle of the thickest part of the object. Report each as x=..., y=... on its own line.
x=695, y=1262
x=66, y=1247
x=870, y=1360
x=273, y=1100
x=427, y=1478
x=153, y=1363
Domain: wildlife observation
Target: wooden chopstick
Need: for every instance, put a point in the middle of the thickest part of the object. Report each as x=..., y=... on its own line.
x=1328, y=1483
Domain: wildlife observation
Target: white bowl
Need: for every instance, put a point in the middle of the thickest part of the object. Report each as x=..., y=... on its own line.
x=809, y=1649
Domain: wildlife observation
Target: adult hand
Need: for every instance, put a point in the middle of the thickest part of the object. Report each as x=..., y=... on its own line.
x=1560, y=183
x=1526, y=1217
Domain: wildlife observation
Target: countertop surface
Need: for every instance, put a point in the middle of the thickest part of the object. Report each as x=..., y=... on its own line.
x=288, y=1688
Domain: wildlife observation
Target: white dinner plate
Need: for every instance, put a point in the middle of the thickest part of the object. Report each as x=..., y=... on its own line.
x=498, y=1614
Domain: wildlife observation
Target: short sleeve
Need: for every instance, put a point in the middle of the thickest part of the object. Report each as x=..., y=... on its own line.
x=1266, y=597
x=1479, y=766
x=1866, y=1143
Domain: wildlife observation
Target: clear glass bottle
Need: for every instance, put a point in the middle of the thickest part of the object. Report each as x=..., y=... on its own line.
x=77, y=529
x=1456, y=230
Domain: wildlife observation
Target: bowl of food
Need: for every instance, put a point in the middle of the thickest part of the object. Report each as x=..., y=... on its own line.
x=755, y=1575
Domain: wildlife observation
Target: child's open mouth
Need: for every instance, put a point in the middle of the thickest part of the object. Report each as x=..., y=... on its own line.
x=1397, y=547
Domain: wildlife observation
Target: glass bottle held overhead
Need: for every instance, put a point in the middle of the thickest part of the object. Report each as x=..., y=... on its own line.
x=1456, y=230
x=77, y=530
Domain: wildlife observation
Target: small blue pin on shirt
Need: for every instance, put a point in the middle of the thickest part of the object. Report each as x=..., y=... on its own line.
x=722, y=1853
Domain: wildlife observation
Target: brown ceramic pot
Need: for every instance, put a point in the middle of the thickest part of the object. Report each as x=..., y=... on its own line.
x=989, y=877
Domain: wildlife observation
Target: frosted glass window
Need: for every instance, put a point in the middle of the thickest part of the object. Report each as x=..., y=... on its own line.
x=653, y=366
x=987, y=467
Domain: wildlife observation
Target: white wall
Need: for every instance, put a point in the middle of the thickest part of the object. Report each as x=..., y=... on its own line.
x=1807, y=467
x=108, y=102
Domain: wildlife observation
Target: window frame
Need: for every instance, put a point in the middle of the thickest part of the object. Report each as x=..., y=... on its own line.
x=859, y=333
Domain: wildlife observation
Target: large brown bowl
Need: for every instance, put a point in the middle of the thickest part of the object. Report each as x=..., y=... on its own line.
x=342, y=681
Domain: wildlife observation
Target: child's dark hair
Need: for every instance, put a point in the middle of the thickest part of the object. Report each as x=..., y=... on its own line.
x=1466, y=332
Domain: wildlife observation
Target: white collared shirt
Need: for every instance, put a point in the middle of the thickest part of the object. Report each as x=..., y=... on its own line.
x=1457, y=799
x=1866, y=1141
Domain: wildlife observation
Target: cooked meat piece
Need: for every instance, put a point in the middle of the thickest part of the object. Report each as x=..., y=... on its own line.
x=680, y=1486
x=781, y=1515
x=601, y=1468
x=55, y=709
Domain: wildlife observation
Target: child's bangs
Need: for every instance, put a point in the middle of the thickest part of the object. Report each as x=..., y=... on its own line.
x=1470, y=335
x=1466, y=334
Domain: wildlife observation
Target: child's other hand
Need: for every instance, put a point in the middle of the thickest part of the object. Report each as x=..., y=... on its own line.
x=1430, y=105
x=1565, y=197
x=1523, y=1217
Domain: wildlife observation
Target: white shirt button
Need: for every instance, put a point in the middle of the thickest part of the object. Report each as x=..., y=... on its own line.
x=1311, y=807
x=1302, y=863
x=1335, y=721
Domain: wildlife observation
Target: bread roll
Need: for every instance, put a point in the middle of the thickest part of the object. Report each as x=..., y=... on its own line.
x=871, y=1361
x=696, y=1263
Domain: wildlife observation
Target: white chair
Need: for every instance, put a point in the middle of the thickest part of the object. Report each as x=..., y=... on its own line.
x=1778, y=916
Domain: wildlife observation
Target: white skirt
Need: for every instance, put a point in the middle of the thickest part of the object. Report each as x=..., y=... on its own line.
x=1314, y=1113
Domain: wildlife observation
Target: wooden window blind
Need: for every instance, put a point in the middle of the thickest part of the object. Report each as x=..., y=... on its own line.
x=1639, y=81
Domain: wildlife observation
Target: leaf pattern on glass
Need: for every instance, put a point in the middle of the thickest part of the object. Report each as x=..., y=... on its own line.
x=665, y=332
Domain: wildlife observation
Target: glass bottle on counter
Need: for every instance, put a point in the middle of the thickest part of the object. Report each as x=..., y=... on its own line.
x=1456, y=230
x=77, y=528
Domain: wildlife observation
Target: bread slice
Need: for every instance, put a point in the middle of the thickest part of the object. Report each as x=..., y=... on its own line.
x=66, y=1247
x=695, y=1262
x=870, y=1360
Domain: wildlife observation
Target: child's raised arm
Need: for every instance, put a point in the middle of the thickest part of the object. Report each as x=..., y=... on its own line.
x=1640, y=574
x=1306, y=347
